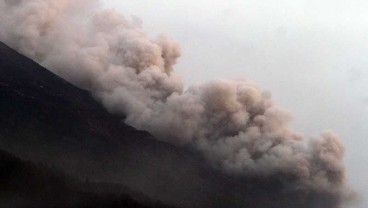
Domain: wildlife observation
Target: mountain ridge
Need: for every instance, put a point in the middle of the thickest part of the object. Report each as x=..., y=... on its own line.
x=46, y=120
x=25, y=184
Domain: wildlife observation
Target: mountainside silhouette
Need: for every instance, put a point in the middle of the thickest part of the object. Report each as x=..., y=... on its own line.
x=46, y=120
x=24, y=184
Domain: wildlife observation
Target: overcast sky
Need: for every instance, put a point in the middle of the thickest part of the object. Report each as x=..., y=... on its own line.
x=310, y=54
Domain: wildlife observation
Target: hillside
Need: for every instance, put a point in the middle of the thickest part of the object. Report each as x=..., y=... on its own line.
x=46, y=120
x=25, y=184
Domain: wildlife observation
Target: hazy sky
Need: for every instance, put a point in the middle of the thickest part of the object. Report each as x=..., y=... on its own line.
x=311, y=56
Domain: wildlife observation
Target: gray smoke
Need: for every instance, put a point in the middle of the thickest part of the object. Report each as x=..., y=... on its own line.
x=232, y=123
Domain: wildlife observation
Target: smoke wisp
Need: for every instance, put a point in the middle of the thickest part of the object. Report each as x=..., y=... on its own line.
x=233, y=124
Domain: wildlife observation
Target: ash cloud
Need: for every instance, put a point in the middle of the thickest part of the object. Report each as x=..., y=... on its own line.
x=232, y=124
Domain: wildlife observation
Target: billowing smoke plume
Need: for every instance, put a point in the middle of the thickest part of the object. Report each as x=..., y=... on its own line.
x=232, y=124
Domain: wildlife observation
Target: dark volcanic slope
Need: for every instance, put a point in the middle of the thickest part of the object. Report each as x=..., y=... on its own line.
x=31, y=95
x=45, y=119
x=24, y=184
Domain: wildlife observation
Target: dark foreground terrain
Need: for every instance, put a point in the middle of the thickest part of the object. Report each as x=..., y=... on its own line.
x=25, y=184
x=60, y=148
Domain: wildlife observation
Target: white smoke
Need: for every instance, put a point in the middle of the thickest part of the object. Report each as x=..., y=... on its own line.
x=232, y=123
